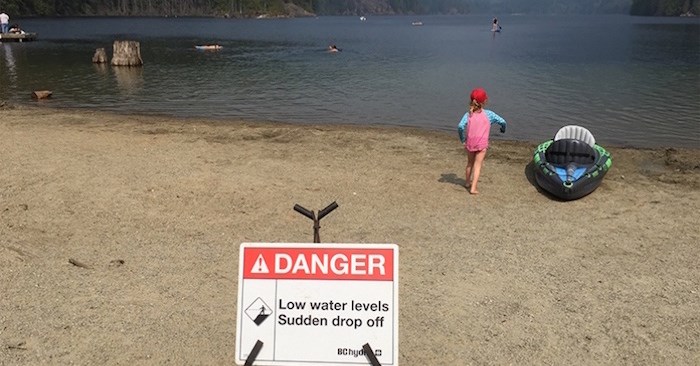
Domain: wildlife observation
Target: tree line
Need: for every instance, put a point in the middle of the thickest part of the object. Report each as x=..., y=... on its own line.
x=249, y=8
x=139, y=7
x=233, y=8
x=665, y=7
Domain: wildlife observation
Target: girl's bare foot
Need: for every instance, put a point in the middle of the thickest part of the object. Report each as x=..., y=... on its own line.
x=475, y=192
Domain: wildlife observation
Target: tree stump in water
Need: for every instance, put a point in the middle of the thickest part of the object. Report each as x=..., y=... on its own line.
x=41, y=94
x=100, y=56
x=126, y=53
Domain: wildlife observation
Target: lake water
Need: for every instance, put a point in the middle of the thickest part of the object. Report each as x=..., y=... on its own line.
x=632, y=81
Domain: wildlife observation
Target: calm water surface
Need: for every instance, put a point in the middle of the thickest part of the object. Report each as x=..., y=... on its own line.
x=632, y=81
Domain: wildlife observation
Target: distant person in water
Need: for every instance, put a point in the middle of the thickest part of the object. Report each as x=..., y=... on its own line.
x=333, y=48
x=495, y=27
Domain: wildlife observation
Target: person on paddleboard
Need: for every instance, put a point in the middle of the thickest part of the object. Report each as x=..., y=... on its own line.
x=495, y=27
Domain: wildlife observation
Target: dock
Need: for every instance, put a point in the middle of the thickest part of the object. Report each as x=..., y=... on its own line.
x=17, y=37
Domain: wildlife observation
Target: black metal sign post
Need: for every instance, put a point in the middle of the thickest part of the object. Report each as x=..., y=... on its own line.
x=310, y=214
x=253, y=353
x=369, y=353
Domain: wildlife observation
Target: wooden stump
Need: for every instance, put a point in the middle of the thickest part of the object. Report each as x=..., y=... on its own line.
x=126, y=53
x=41, y=94
x=100, y=56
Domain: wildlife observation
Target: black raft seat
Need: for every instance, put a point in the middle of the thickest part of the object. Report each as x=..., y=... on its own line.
x=565, y=151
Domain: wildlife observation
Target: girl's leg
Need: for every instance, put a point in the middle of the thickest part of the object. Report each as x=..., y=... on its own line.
x=478, y=161
x=468, y=172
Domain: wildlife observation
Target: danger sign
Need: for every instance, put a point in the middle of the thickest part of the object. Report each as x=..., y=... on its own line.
x=317, y=304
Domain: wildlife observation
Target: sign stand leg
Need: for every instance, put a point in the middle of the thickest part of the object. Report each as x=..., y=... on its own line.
x=310, y=214
x=254, y=353
x=370, y=355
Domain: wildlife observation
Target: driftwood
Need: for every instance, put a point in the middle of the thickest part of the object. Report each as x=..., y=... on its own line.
x=100, y=56
x=126, y=53
x=18, y=345
x=116, y=263
x=41, y=94
x=78, y=264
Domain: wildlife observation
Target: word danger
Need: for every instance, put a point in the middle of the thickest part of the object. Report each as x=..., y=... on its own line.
x=333, y=305
x=312, y=263
x=339, y=264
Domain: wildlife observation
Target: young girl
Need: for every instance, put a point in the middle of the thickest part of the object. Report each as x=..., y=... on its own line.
x=478, y=123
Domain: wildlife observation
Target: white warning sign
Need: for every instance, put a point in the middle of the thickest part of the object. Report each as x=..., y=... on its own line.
x=317, y=304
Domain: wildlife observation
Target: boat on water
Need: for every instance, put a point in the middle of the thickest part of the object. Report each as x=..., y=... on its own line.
x=17, y=37
x=209, y=47
x=571, y=165
x=417, y=23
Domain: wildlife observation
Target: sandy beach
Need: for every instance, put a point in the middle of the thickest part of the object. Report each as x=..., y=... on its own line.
x=153, y=210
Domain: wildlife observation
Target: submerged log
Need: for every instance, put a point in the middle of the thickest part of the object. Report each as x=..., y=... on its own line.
x=41, y=94
x=126, y=53
x=100, y=56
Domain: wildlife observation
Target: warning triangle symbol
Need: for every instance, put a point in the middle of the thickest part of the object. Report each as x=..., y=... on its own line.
x=260, y=266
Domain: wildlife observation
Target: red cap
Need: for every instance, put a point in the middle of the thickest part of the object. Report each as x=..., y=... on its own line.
x=479, y=95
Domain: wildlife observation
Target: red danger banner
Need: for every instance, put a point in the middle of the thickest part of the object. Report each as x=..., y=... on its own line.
x=318, y=263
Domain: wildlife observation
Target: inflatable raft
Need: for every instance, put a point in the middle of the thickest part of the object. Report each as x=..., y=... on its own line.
x=571, y=165
x=208, y=47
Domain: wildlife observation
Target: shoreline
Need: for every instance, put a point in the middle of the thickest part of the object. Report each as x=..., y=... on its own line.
x=495, y=136
x=154, y=209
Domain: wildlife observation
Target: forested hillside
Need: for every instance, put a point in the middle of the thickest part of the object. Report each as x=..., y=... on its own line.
x=250, y=8
x=552, y=6
x=150, y=7
x=665, y=7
